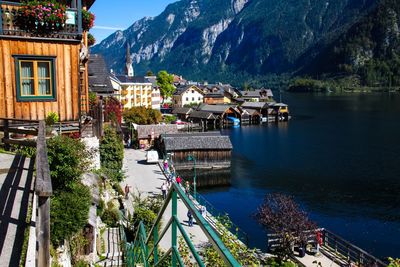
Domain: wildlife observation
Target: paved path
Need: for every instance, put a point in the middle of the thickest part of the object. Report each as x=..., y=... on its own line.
x=16, y=187
x=313, y=261
x=148, y=178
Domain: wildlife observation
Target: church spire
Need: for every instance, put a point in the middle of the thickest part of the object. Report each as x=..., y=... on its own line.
x=129, y=62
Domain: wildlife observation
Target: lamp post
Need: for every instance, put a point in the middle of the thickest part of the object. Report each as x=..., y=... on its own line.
x=190, y=158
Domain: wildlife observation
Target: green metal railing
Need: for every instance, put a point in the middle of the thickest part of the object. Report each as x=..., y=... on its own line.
x=145, y=250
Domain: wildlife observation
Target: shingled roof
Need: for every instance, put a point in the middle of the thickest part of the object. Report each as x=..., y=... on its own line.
x=216, y=109
x=182, y=110
x=131, y=79
x=255, y=105
x=98, y=75
x=145, y=131
x=202, y=115
x=196, y=141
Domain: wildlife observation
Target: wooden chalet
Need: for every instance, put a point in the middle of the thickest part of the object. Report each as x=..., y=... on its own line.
x=210, y=149
x=214, y=98
x=259, y=95
x=43, y=71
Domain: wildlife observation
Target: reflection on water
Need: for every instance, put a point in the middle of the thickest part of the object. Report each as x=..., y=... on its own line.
x=339, y=156
x=208, y=177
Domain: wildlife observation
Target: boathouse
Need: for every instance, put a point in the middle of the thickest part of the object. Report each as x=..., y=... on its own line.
x=182, y=113
x=221, y=111
x=210, y=150
x=203, y=118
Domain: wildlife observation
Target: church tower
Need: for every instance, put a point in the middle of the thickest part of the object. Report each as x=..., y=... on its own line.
x=129, y=63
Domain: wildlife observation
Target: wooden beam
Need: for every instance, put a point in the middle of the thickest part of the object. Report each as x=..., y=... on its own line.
x=19, y=131
x=43, y=180
x=1, y=20
x=25, y=142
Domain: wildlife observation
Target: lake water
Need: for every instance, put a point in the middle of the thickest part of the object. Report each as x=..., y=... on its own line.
x=339, y=157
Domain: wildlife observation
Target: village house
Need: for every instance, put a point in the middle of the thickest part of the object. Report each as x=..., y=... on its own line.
x=135, y=91
x=259, y=95
x=187, y=95
x=44, y=67
x=99, y=77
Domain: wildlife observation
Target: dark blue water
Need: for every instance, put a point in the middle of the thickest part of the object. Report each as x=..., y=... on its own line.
x=339, y=157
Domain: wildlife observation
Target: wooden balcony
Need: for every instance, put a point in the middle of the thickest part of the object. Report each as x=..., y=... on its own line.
x=71, y=31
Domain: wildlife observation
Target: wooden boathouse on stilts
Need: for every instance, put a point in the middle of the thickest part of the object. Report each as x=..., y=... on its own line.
x=212, y=150
x=205, y=119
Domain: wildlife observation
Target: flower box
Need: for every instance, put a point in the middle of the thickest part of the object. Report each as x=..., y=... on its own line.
x=41, y=16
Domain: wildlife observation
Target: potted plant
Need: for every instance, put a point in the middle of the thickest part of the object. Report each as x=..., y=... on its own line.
x=51, y=119
x=87, y=20
x=41, y=16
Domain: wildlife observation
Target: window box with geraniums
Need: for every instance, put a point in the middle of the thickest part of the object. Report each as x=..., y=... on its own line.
x=87, y=20
x=41, y=16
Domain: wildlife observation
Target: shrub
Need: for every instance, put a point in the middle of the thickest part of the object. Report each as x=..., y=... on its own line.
x=168, y=119
x=112, y=153
x=69, y=212
x=51, y=118
x=142, y=115
x=68, y=160
x=145, y=215
x=110, y=216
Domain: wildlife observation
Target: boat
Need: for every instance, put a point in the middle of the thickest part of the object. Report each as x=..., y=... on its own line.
x=235, y=121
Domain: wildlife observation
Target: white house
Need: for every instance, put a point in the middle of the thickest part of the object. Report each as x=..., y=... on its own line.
x=187, y=95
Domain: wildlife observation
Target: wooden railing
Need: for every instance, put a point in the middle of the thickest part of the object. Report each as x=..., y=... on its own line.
x=14, y=126
x=9, y=26
x=43, y=191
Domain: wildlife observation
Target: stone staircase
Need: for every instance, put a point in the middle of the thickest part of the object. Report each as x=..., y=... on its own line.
x=113, y=252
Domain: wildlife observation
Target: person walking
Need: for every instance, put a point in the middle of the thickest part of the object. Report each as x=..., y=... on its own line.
x=187, y=188
x=164, y=190
x=190, y=218
x=126, y=191
x=178, y=180
x=166, y=166
x=203, y=211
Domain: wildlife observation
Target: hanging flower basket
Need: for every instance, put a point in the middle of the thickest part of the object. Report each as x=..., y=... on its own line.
x=91, y=39
x=41, y=16
x=87, y=20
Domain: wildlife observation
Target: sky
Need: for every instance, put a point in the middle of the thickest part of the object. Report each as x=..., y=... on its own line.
x=120, y=14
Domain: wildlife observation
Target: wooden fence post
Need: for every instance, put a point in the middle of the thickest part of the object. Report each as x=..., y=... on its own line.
x=43, y=190
x=6, y=135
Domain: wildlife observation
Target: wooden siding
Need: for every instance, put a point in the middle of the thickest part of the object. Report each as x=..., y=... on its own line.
x=67, y=80
x=204, y=158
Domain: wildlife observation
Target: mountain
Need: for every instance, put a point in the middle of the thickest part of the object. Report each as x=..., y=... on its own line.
x=239, y=40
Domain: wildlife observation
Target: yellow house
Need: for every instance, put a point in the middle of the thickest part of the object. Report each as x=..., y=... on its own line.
x=135, y=91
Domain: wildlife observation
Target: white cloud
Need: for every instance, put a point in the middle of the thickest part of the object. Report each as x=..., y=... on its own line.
x=107, y=28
